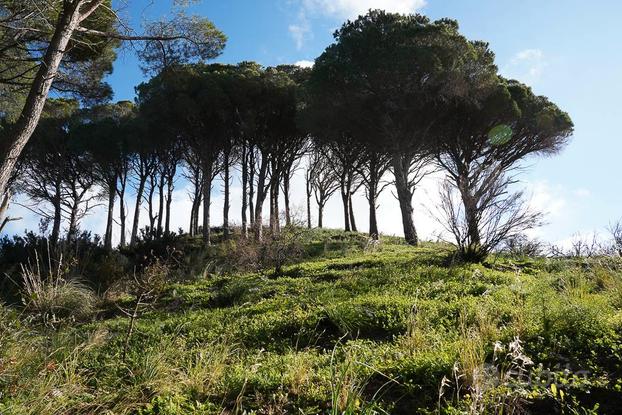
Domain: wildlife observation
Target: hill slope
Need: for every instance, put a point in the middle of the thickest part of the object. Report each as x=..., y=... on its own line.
x=381, y=329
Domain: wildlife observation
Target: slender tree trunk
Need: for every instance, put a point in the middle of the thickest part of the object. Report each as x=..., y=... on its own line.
x=197, y=209
x=194, y=214
x=12, y=145
x=286, y=190
x=72, y=232
x=112, y=193
x=261, y=197
x=169, y=200
x=275, y=180
x=404, y=195
x=320, y=216
x=122, y=214
x=244, y=190
x=4, y=207
x=191, y=226
x=152, y=214
x=251, y=186
x=309, y=195
x=56, y=222
x=196, y=205
x=225, y=210
x=274, y=210
x=372, y=195
x=160, y=205
x=271, y=205
x=208, y=167
x=288, y=215
x=346, y=207
x=139, y=197
x=352, y=220
x=373, y=221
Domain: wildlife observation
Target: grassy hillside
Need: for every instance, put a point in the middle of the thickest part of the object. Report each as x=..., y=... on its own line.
x=352, y=328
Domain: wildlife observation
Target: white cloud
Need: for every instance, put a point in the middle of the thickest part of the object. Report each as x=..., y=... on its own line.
x=352, y=8
x=546, y=199
x=301, y=30
x=527, y=65
x=582, y=193
x=305, y=64
x=528, y=54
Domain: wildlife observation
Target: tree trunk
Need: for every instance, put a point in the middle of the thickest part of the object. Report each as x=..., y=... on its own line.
x=161, y=205
x=261, y=197
x=225, y=211
x=112, y=193
x=244, y=190
x=275, y=180
x=72, y=232
x=197, y=181
x=56, y=222
x=275, y=222
x=169, y=200
x=152, y=213
x=320, y=216
x=352, y=221
x=288, y=215
x=470, y=214
x=208, y=167
x=139, y=197
x=404, y=195
x=194, y=214
x=373, y=221
x=191, y=226
x=346, y=207
x=309, y=195
x=372, y=197
x=251, y=186
x=13, y=144
x=122, y=214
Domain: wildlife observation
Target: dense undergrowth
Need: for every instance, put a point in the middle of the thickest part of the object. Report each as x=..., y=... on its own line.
x=350, y=328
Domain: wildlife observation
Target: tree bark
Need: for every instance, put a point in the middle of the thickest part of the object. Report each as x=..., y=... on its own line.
x=112, y=193
x=352, y=221
x=320, y=216
x=169, y=200
x=288, y=215
x=244, y=190
x=275, y=180
x=346, y=207
x=275, y=222
x=56, y=221
x=72, y=231
x=160, y=205
x=13, y=145
x=225, y=210
x=251, y=185
x=139, y=197
x=309, y=191
x=152, y=214
x=208, y=167
x=373, y=221
x=469, y=202
x=261, y=197
x=122, y=214
x=404, y=195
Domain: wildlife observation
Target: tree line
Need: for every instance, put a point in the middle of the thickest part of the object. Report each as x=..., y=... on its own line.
x=394, y=98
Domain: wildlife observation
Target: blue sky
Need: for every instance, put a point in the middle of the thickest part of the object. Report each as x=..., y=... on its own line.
x=565, y=49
